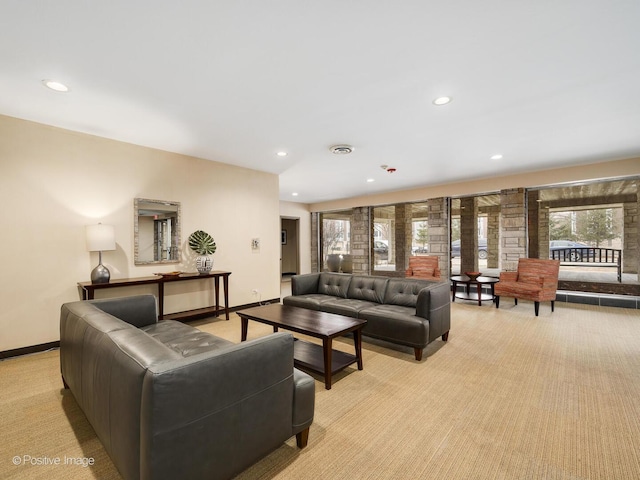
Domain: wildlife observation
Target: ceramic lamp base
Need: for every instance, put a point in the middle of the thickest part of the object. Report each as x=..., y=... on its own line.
x=100, y=274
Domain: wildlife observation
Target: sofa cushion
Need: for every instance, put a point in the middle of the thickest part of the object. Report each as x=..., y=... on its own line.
x=336, y=284
x=311, y=301
x=184, y=339
x=346, y=306
x=371, y=289
x=397, y=324
x=404, y=292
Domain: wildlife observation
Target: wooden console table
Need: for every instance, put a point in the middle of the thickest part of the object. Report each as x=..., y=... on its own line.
x=88, y=292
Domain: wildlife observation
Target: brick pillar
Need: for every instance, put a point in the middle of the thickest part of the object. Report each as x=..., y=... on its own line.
x=468, y=235
x=361, y=235
x=402, y=233
x=513, y=231
x=315, y=246
x=493, y=238
x=438, y=221
x=631, y=240
x=532, y=223
x=543, y=230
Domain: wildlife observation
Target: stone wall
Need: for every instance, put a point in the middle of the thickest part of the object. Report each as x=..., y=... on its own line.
x=361, y=235
x=468, y=235
x=513, y=231
x=315, y=246
x=438, y=221
x=631, y=237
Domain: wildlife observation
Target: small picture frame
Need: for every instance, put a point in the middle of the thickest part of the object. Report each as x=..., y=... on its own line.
x=284, y=237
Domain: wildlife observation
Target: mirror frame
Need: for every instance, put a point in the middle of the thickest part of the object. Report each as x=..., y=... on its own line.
x=136, y=242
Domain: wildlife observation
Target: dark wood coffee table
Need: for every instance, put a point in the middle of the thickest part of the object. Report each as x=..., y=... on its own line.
x=326, y=326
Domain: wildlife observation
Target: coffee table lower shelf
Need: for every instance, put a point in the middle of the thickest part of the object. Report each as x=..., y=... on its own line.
x=310, y=356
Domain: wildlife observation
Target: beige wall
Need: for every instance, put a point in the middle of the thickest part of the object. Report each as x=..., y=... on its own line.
x=53, y=182
x=594, y=171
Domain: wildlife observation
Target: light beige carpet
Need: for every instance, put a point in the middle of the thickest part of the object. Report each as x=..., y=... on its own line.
x=510, y=396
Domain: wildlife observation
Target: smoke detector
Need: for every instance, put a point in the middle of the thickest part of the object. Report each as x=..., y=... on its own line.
x=341, y=149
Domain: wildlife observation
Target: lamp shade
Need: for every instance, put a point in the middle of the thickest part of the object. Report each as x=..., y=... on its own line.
x=100, y=238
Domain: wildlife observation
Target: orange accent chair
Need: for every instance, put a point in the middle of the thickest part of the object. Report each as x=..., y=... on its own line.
x=425, y=267
x=535, y=280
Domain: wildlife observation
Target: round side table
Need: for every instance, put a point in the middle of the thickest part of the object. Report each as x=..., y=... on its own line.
x=467, y=294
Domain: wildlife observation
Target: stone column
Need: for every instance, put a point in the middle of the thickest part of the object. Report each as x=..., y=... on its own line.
x=468, y=235
x=402, y=233
x=493, y=237
x=532, y=198
x=543, y=230
x=361, y=235
x=513, y=231
x=438, y=222
x=315, y=245
x=631, y=240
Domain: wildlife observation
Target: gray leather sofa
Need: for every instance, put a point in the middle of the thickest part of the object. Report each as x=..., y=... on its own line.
x=403, y=311
x=169, y=401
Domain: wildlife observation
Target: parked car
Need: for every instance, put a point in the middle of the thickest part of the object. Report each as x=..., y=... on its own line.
x=424, y=249
x=381, y=249
x=571, y=255
x=482, y=248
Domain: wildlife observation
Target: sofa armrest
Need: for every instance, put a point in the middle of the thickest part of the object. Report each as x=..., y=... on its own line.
x=305, y=284
x=138, y=310
x=434, y=305
x=304, y=397
x=197, y=411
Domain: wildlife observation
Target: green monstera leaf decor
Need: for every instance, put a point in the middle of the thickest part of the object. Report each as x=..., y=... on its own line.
x=202, y=243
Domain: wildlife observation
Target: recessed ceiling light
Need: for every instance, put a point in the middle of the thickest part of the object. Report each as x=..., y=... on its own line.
x=497, y=156
x=294, y=194
x=281, y=154
x=442, y=100
x=369, y=180
x=57, y=86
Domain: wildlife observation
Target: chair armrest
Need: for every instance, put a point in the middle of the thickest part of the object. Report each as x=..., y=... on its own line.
x=305, y=284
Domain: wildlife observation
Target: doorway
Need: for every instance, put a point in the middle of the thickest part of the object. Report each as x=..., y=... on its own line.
x=290, y=248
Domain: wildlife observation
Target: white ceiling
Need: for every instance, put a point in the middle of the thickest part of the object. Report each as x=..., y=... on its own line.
x=544, y=83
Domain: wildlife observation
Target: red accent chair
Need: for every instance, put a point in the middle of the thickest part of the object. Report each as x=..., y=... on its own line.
x=535, y=280
x=425, y=267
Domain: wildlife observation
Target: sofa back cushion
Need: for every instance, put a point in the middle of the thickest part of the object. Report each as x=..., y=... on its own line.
x=336, y=284
x=404, y=292
x=371, y=289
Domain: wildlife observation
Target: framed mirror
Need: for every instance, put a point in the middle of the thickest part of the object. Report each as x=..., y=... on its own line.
x=156, y=231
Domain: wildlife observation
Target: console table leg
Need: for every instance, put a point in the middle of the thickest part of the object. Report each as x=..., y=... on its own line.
x=225, y=285
x=216, y=282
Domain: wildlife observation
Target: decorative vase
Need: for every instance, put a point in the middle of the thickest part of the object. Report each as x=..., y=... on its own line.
x=204, y=263
x=333, y=262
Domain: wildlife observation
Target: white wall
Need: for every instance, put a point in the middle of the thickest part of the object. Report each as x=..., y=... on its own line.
x=53, y=182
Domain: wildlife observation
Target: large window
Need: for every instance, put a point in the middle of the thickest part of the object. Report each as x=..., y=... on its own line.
x=384, y=238
x=336, y=241
x=588, y=228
